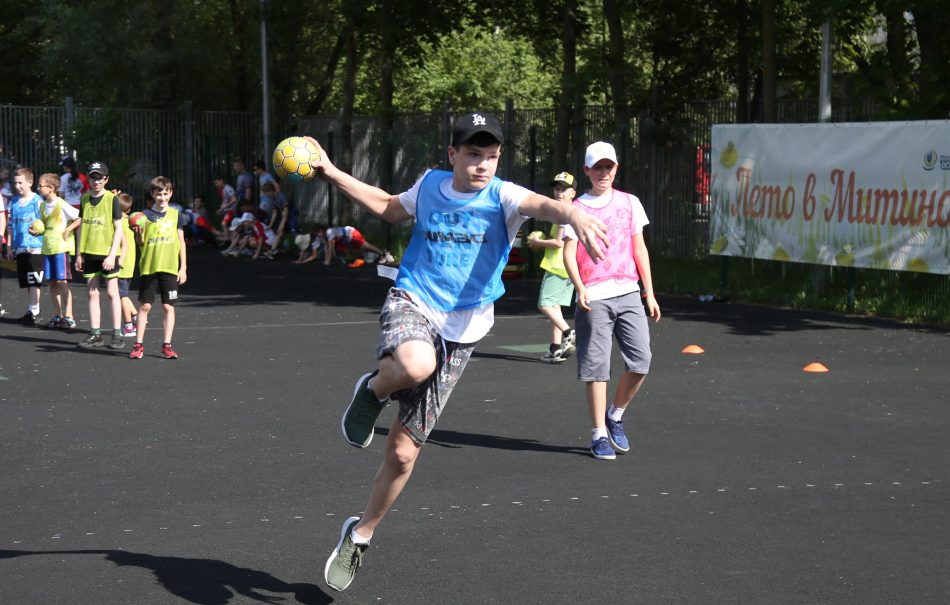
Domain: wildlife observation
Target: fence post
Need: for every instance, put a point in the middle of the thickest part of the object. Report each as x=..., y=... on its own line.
x=529, y=254
x=390, y=168
x=70, y=124
x=624, y=141
x=509, y=139
x=852, y=286
x=447, y=121
x=188, y=122
x=330, y=189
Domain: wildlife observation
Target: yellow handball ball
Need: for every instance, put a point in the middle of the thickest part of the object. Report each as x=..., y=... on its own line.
x=37, y=226
x=292, y=159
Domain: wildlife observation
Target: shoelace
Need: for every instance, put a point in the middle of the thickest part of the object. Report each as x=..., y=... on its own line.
x=369, y=412
x=356, y=558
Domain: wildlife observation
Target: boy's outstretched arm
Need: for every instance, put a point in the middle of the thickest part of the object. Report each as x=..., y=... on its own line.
x=374, y=199
x=591, y=231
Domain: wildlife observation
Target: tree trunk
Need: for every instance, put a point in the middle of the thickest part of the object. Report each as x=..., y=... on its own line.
x=349, y=98
x=743, y=49
x=616, y=64
x=931, y=23
x=326, y=85
x=239, y=23
x=568, y=85
x=897, y=49
x=769, y=62
x=390, y=43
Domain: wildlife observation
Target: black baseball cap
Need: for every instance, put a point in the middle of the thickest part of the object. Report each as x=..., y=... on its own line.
x=99, y=167
x=473, y=123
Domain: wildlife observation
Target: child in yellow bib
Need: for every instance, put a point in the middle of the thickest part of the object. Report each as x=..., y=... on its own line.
x=162, y=263
x=556, y=288
x=100, y=240
x=128, y=260
x=60, y=220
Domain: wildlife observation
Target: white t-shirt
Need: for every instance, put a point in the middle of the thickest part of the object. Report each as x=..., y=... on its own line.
x=638, y=220
x=70, y=189
x=70, y=213
x=467, y=325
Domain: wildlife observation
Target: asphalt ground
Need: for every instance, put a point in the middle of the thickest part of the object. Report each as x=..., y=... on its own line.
x=221, y=477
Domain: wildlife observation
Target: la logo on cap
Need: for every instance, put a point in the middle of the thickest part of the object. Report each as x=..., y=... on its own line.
x=478, y=120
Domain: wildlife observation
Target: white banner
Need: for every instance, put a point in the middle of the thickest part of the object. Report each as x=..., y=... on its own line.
x=869, y=195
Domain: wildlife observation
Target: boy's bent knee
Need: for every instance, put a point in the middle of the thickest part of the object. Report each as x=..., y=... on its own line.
x=416, y=359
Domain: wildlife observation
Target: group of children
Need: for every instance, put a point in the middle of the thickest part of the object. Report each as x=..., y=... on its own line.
x=45, y=231
x=465, y=221
x=329, y=243
x=250, y=229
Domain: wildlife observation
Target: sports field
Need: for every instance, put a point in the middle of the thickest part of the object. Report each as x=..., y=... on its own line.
x=221, y=477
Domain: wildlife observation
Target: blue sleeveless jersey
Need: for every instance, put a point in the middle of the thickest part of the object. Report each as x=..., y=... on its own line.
x=21, y=217
x=458, y=248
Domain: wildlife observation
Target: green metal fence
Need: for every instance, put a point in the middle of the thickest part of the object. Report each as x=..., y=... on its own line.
x=663, y=160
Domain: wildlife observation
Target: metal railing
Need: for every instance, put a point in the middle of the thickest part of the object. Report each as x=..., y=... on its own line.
x=663, y=159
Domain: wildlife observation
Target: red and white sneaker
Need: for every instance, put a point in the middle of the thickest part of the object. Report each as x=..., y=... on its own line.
x=167, y=351
x=137, y=351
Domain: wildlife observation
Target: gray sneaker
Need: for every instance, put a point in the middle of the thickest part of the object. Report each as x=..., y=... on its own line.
x=117, y=342
x=345, y=559
x=359, y=419
x=93, y=340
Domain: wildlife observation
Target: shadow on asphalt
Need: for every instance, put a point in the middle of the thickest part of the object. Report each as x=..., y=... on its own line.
x=202, y=581
x=508, y=357
x=457, y=440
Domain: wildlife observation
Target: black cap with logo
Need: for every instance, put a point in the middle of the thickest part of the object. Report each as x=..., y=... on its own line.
x=471, y=124
x=99, y=167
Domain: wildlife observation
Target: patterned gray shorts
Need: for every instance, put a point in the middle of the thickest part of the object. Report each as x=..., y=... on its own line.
x=420, y=407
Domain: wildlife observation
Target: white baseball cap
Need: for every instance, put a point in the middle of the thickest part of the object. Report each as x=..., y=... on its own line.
x=599, y=151
x=235, y=223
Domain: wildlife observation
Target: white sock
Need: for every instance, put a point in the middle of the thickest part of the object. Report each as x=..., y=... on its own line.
x=358, y=539
x=381, y=399
x=598, y=433
x=35, y=309
x=615, y=414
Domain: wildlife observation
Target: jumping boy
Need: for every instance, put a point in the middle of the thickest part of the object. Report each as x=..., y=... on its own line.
x=440, y=307
x=556, y=288
x=608, y=300
x=60, y=219
x=26, y=243
x=100, y=241
x=163, y=264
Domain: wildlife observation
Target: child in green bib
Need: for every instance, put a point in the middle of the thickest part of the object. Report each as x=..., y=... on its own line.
x=100, y=241
x=162, y=263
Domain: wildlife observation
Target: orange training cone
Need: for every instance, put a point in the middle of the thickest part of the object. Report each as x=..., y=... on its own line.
x=815, y=367
x=694, y=350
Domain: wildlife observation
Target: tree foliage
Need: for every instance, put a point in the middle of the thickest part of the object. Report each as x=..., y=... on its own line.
x=160, y=53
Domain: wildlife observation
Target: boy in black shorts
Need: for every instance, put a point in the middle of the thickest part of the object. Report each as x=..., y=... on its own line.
x=163, y=264
x=100, y=241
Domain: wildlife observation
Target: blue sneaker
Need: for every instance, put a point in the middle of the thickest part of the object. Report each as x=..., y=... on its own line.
x=600, y=449
x=618, y=438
